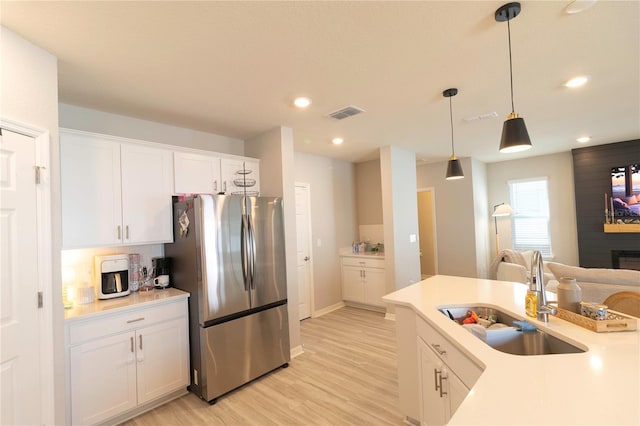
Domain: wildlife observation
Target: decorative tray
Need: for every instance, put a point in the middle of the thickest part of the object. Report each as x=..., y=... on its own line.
x=621, y=322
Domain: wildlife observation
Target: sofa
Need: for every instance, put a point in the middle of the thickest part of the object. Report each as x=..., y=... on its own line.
x=597, y=284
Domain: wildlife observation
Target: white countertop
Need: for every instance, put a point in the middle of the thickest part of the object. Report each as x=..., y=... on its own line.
x=368, y=254
x=138, y=299
x=600, y=386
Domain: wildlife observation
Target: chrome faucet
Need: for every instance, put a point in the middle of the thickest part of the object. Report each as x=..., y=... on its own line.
x=537, y=276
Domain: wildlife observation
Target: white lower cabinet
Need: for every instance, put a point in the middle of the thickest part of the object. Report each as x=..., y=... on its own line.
x=120, y=362
x=363, y=280
x=445, y=376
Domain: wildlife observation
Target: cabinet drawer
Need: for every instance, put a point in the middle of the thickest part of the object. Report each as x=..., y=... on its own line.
x=363, y=262
x=464, y=367
x=94, y=328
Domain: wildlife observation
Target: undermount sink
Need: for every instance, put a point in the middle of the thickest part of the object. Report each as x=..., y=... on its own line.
x=512, y=340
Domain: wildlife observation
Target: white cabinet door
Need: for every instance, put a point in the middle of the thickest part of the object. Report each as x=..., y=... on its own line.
x=457, y=393
x=352, y=284
x=196, y=173
x=162, y=359
x=433, y=405
x=103, y=378
x=374, y=286
x=239, y=175
x=147, y=186
x=90, y=189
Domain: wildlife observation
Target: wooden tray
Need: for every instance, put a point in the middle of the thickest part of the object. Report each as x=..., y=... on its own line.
x=627, y=323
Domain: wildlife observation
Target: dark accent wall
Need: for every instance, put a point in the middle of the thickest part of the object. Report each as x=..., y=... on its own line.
x=592, y=178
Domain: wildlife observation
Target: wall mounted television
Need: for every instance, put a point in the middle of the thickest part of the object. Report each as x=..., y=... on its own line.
x=625, y=191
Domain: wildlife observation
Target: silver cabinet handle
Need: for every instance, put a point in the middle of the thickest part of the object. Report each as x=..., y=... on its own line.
x=224, y=186
x=215, y=185
x=126, y=232
x=131, y=344
x=442, y=377
x=435, y=377
x=119, y=233
x=135, y=320
x=438, y=349
x=140, y=336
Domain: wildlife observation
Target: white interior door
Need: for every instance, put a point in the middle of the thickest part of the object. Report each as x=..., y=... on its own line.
x=427, y=232
x=303, y=257
x=19, y=326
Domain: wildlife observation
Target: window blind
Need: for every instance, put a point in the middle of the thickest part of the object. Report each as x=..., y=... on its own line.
x=530, y=223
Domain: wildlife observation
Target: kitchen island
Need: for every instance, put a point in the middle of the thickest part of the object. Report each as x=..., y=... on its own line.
x=599, y=386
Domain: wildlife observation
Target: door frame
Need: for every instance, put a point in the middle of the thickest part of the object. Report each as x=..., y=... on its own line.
x=435, y=221
x=46, y=322
x=312, y=309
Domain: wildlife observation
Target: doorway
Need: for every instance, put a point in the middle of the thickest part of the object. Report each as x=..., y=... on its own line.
x=427, y=232
x=303, y=250
x=26, y=369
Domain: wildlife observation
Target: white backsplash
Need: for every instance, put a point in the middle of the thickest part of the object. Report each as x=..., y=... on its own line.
x=372, y=233
x=77, y=265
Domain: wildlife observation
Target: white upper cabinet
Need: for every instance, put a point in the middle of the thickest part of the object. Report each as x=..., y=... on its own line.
x=147, y=181
x=91, y=191
x=196, y=173
x=113, y=192
x=209, y=174
x=240, y=176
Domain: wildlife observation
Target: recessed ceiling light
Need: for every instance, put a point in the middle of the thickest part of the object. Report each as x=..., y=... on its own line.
x=577, y=81
x=337, y=141
x=302, y=102
x=584, y=139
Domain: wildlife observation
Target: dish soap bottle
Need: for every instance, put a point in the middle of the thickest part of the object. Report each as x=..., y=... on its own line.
x=531, y=299
x=569, y=295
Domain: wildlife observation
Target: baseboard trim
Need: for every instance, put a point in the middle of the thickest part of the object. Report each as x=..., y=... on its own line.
x=366, y=307
x=328, y=309
x=296, y=351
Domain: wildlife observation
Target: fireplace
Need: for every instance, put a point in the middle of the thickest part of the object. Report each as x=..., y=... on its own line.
x=625, y=259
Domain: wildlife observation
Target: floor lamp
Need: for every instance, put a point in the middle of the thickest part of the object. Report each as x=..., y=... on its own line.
x=500, y=210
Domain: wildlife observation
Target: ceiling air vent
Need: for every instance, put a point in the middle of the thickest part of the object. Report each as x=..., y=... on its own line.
x=345, y=112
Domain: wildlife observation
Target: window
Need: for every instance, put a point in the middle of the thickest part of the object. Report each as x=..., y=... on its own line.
x=530, y=223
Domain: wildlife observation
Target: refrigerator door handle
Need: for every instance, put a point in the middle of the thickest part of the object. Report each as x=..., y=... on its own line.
x=252, y=257
x=244, y=252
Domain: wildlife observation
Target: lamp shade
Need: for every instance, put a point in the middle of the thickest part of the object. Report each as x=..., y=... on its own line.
x=515, y=137
x=454, y=169
x=502, y=210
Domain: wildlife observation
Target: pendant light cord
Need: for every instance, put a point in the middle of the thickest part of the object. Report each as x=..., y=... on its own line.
x=453, y=154
x=510, y=66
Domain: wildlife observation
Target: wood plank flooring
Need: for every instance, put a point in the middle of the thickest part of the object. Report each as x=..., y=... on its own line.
x=346, y=376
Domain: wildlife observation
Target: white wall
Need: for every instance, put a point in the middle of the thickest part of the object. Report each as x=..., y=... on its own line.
x=30, y=96
x=559, y=170
x=368, y=193
x=277, y=178
x=333, y=220
x=90, y=120
x=481, y=217
x=455, y=218
x=400, y=217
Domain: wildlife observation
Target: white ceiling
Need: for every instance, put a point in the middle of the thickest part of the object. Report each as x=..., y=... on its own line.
x=233, y=68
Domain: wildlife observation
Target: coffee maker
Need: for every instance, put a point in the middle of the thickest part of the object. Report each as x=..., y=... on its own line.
x=162, y=266
x=112, y=276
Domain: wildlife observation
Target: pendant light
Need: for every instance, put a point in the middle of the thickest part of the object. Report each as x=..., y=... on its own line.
x=515, y=137
x=454, y=168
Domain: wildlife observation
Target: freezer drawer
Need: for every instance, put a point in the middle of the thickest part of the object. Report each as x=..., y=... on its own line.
x=236, y=352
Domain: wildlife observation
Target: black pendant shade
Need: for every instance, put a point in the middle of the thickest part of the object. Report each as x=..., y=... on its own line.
x=454, y=168
x=515, y=137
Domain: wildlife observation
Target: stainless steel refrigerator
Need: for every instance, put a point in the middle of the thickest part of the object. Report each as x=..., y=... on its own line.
x=228, y=252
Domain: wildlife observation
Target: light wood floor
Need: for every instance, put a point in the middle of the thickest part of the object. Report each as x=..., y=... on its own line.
x=346, y=376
